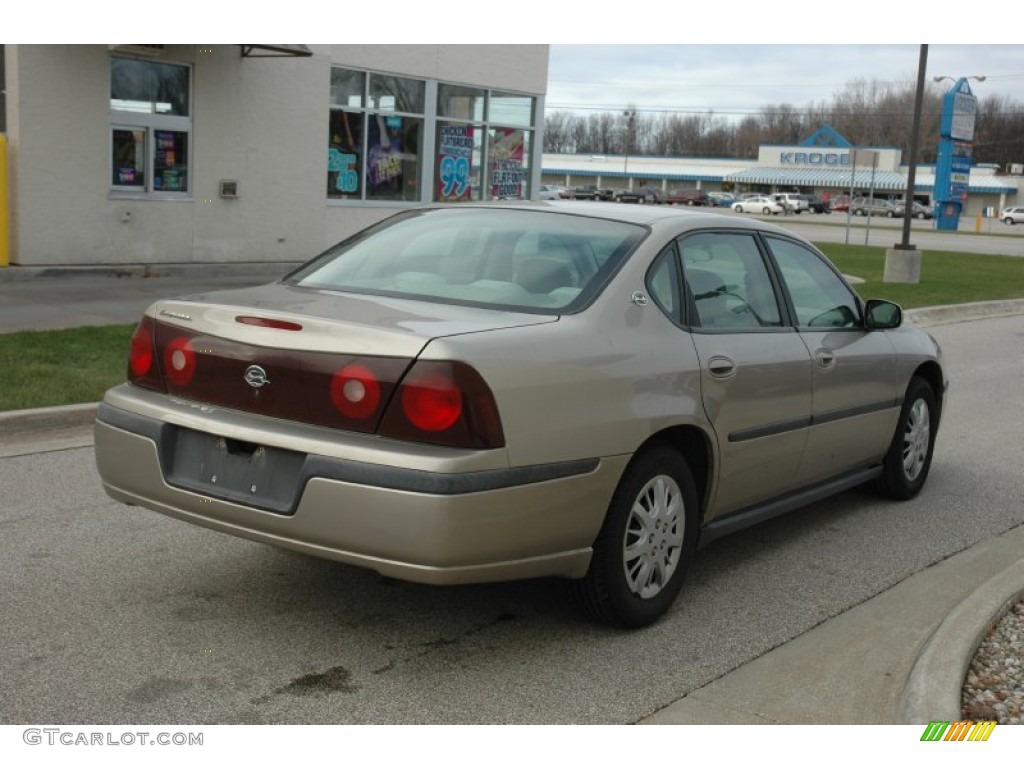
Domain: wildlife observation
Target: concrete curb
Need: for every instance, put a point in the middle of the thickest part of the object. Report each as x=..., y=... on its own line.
x=38, y=419
x=957, y=313
x=14, y=273
x=934, y=687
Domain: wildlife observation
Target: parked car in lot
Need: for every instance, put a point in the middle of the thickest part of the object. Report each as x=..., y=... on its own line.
x=1012, y=215
x=870, y=206
x=816, y=204
x=761, y=204
x=588, y=192
x=721, y=199
x=488, y=392
x=549, y=192
x=641, y=195
x=796, y=203
x=839, y=203
x=687, y=197
x=917, y=211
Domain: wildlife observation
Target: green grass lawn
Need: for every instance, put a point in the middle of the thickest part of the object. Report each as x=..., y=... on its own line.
x=45, y=368
x=946, y=278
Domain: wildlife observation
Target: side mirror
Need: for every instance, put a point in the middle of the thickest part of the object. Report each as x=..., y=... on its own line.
x=880, y=315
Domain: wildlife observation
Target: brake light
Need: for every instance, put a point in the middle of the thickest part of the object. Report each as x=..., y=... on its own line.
x=444, y=403
x=268, y=322
x=432, y=402
x=179, y=361
x=355, y=391
x=141, y=356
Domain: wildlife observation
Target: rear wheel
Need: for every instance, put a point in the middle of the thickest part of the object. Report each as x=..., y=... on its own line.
x=646, y=543
x=909, y=458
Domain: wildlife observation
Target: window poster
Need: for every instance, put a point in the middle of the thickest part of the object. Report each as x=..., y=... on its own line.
x=343, y=169
x=506, y=163
x=455, y=157
x=169, y=170
x=391, y=157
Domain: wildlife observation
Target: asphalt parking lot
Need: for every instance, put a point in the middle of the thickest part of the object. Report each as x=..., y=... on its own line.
x=119, y=615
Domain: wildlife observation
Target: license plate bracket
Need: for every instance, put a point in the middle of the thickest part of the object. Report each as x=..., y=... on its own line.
x=233, y=470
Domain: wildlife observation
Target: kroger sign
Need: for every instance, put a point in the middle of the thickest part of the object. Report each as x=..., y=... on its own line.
x=815, y=158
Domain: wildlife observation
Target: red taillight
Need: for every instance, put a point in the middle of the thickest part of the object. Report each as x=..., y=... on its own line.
x=444, y=403
x=432, y=402
x=140, y=358
x=142, y=370
x=355, y=391
x=179, y=361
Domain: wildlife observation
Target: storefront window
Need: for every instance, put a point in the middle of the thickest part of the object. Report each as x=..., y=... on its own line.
x=511, y=109
x=460, y=102
x=150, y=127
x=148, y=87
x=129, y=166
x=459, y=149
x=347, y=88
x=396, y=94
x=375, y=153
x=480, y=140
x=170, y=172
x=507, y=164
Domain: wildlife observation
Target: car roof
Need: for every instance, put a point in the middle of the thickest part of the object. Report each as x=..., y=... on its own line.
x=649, y=215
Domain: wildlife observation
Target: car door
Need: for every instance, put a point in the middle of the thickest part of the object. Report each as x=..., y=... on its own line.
x=755, y=370
x=856, y=395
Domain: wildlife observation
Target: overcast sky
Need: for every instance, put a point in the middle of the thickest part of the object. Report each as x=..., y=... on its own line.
x=739, y=79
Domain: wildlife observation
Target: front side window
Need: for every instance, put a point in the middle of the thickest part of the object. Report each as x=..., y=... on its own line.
x=150, y=127
x=820, y=298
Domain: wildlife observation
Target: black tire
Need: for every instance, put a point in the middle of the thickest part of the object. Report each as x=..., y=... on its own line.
x=766, y=210
x=918, y=215
x=889, y=214
x=906, y=465
x=1009, y=220
x=632, y=582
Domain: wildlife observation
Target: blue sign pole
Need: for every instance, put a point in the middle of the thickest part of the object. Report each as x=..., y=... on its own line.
x=953, y=166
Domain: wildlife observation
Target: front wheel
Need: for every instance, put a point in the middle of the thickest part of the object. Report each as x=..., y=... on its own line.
x=906, y=465
x=646, y=544
x=1008, y=220
x=766, y=210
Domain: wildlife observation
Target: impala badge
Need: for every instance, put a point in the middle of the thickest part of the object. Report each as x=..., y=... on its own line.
x=255, y=377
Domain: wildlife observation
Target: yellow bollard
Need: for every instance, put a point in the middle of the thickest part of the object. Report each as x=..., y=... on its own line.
x=977, y=223
x=5, y=242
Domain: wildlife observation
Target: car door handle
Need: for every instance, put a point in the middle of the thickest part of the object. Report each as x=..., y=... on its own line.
x=825, y=358
x=721, y=367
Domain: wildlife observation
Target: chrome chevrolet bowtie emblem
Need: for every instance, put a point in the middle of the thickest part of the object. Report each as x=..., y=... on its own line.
x=255, y=377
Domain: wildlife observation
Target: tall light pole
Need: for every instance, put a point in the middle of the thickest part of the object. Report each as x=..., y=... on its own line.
x=903, y=260
x=630, y=115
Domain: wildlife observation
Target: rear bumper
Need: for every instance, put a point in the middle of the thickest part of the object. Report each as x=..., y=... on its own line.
x=413, y=524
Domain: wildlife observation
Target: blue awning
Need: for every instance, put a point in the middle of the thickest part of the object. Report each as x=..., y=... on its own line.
x=820, y=177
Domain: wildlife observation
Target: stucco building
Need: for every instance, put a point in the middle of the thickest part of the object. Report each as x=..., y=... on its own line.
x=186, y=153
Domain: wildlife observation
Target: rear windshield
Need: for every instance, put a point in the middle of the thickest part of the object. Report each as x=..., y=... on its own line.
x=496, y=257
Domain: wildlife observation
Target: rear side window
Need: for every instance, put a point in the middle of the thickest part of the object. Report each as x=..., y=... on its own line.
x=728, y=282
x=497, y=257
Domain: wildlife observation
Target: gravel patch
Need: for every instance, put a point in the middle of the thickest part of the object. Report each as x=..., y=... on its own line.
x=994, y=685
